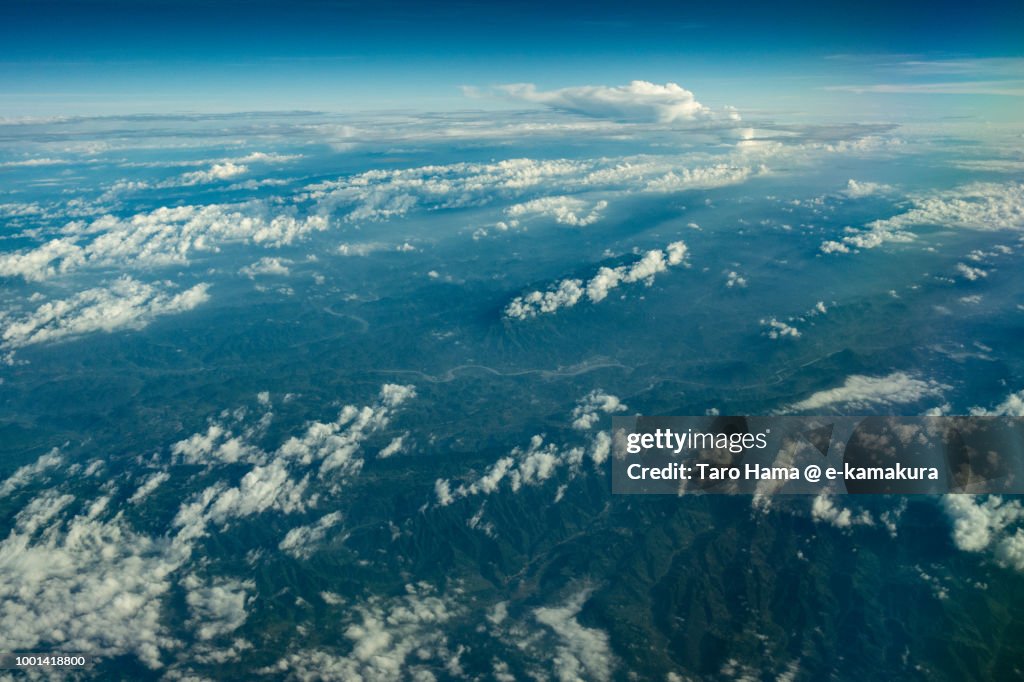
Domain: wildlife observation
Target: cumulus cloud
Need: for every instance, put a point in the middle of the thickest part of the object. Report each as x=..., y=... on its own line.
x=261, y=489
x=268, y=266
x=335, y=444
x=988, y=524
x=216, y=172
x=861, y=392
x=392, y=448
x=640, y=101
x=563, y=210
x=858, y=190
x=124, y=304
x=970, y=273
x=217, y=606
x=216, y=445
x=777, y=329
x=824, y=510
x=734, y=280
x=531, y=465
x=569, y=292
x=1013, y=406
x=587, y=411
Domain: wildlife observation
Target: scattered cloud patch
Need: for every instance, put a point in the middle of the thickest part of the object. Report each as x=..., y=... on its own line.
x=582, y=653
x=217, y=607
x=26, y=474
x=824, y=510
x=859, y=190
x=216, y=173
x=970, y=273
x=777, y=329
x=302, y=541
x=389, y=638
x=569, y=292
x=861, y=392
x=587, y=411
x=268, y=266
x=1013, y=406
x=734, y=280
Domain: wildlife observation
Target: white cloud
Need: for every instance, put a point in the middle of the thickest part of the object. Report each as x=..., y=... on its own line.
x=216, y=172
x=600, y=447
x=263, y=488
x=586, y=412
x=124, y=304
x=83, y=583
x=217, y=607
x=1009, y=88
x=216, y=445
x=563, y=209
x=392, y=448
x=640, y=101
x=969, y=273
x=147, y=488
x=364, y=249
x=861, y=392
x=824, y=510
x=707, y=177
x=381, y=195
x=443, y=491
x=76, y=576
x=23, y=475
x=525, y=466
x=734, y=280
x=565, y=295
x=582, y=653
x=978, y=206
x=1013, y=406
x=162, y=237
x=268, y=266
x=391, y=638
x=857, y=190
x=989, y=524
x=335, y=444
x=568, y=293
x=271, y=485
x=302, y=541
x=777, y=329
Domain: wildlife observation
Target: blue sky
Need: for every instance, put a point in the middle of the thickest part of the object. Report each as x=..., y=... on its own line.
x=158, y=56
